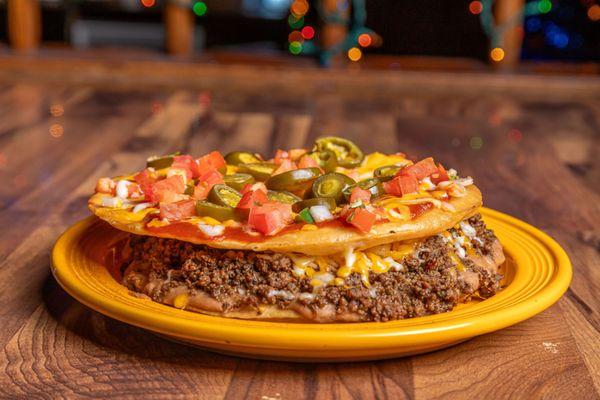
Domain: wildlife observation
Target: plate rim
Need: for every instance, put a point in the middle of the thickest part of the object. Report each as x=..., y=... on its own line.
x=364, y=335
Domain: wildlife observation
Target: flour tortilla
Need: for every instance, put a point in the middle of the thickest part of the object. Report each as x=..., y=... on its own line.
x=323, y=241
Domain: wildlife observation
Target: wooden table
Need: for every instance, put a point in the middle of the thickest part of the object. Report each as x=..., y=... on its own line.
x=531, y=143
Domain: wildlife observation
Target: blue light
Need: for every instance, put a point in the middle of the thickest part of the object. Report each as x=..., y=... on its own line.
x=533, y=24
x=561, y=40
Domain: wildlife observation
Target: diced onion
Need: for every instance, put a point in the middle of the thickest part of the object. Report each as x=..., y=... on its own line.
x=121, y=190
x=113, y=202
x=141, y=206
x=320, y=213
x=211, y=230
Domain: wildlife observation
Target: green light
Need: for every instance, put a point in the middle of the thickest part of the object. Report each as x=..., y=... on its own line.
x=295, y=48
x=476, y=142
x=199, y=8
x=544, y=6
x=295, y=23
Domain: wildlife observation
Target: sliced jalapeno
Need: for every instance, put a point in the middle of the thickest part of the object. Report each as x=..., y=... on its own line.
x=316, y=201
x=295, y=180
x=373, y=185
x=386, y=173
x=326, y=159
x=348, y=154
x=160, y=162
x=238, y=181
x=304, y=216
x=220, y=213
x=332, y=185
x=241, y=157
x=224, y=195
x=260, y=171
x=283, y=197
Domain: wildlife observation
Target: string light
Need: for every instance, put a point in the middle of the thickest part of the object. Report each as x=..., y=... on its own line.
x=299, y=8
x=365, y=40
x=295, y=22
x=354, y=54
x=148, y=3
x=497, y=54
x=199, y=8
x=475, y=7
x=308, y=32
x=295, y=36
x=544, y=6
x=295, y=48
x=593, y=12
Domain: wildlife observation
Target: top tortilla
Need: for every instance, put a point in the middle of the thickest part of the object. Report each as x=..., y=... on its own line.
x=323, y=241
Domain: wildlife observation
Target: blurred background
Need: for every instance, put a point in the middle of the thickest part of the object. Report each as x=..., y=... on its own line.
x=522, y=35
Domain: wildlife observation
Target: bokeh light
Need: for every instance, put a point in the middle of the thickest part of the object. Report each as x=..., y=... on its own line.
x=497, y=54
x=148, y=3
x=299, y=8
x=455, y=142
x=155, y=107
x=354, y=54
x=544, y=6
x=365, y=40
x=476, y=142
x=515, y=135
x=199, y=8
x=295, y=22
x=57, y=110
x=295, y=36
x=593, y=12
x=308, y=32
x=295, y=48
x=56, y=130
x=476, y=7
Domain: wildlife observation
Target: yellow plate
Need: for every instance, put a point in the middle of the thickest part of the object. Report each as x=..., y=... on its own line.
x=537, y=273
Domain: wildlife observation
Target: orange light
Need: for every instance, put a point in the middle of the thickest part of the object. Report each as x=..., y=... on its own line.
x=497, y=54
x=148, y=3
x=476, y=7
x=354, y=54
x=594, y=12
x=365, y=40
x=299, y=7
x=295, y=36
x=308, y=32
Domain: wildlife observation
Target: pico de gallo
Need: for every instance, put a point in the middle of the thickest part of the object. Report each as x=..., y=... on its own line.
x=334, y=181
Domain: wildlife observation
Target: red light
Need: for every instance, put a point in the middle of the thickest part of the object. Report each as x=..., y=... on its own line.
x=308, y=32
x=365, y=40
x=475, y=7
x=148, y=3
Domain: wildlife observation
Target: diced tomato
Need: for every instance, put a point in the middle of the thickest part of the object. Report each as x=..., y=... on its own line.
x=270, y=217
x=285, y=165
x=401, y=185
x=133, y=190
x=209, y=179
x=187, y=164
x=146, y=179
x=179, y=210
x=252, y=198
x=307, y=162
x=166, y=189
x=361, y=219
x=440, y=176
x=420, y=170
x=281, y=155
x=360, y=194
x=105, y=185
x=296, y=153
x=213, y=159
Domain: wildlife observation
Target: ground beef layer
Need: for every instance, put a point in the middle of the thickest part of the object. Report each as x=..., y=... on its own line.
x=234, y=280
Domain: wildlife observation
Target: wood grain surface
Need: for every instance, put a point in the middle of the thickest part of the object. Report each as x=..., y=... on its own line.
x=531, y=144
